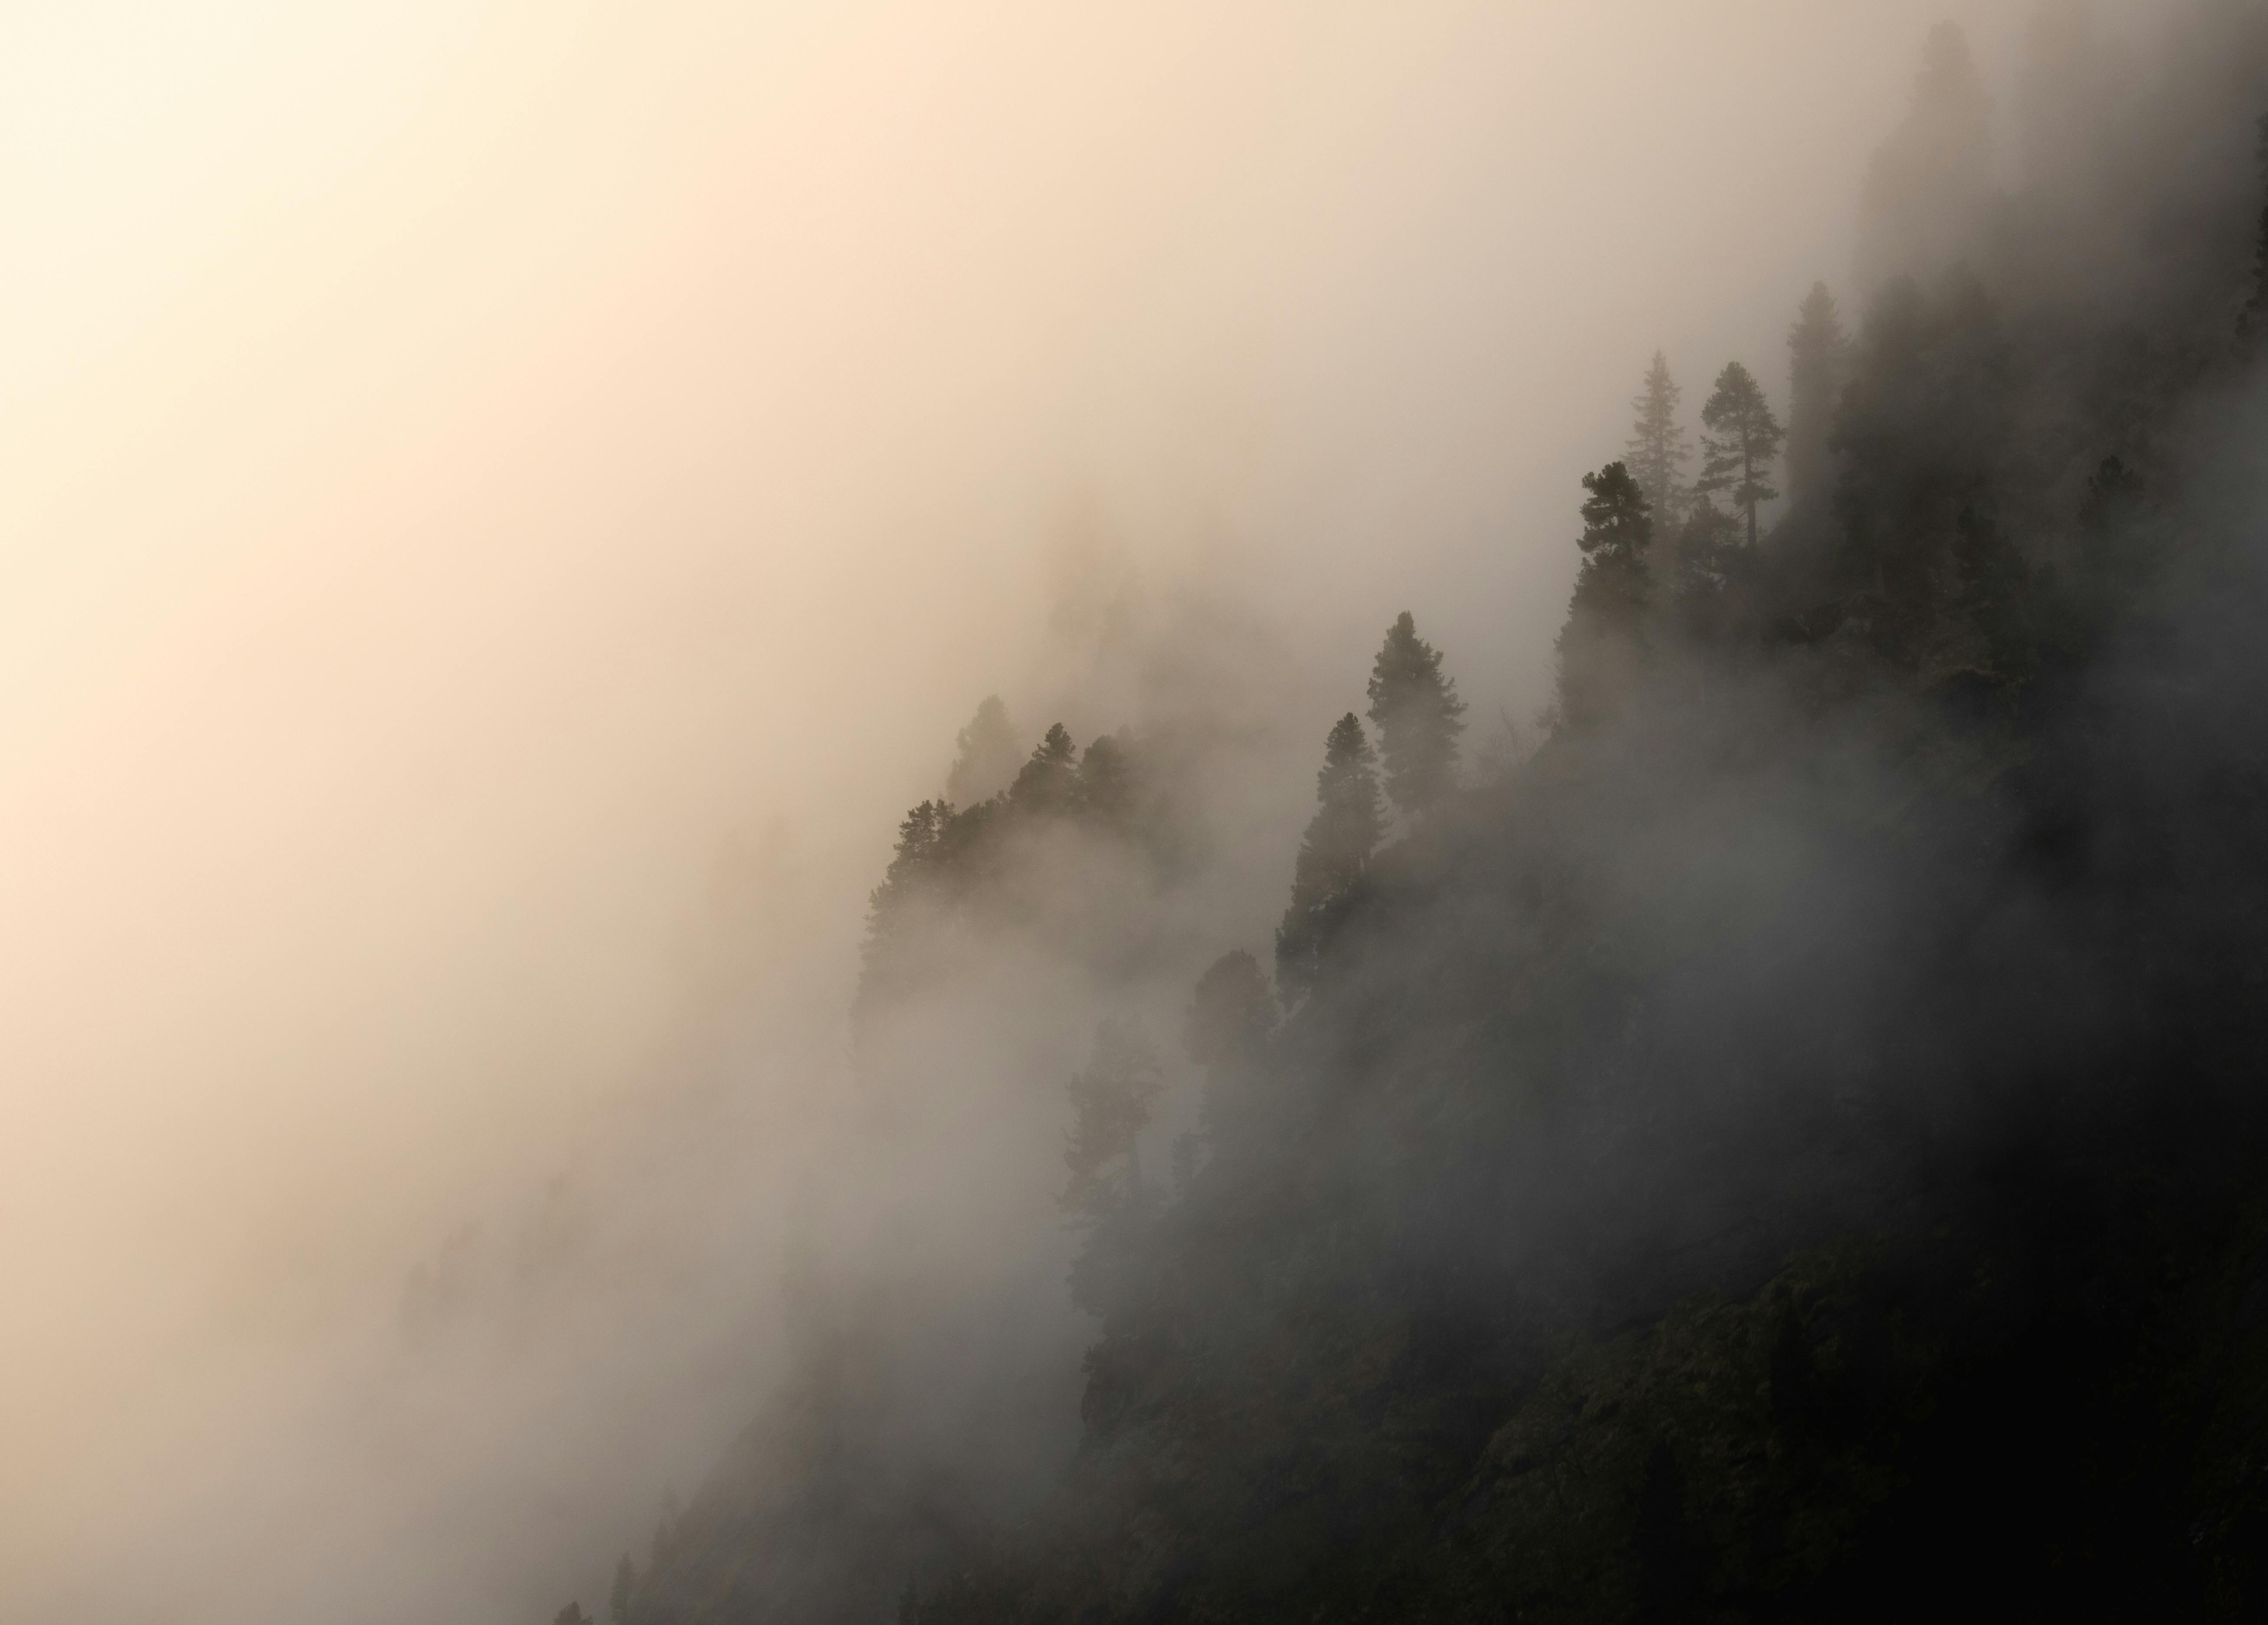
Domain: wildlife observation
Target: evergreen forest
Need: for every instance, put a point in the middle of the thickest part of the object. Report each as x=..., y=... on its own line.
x=1790, y=1142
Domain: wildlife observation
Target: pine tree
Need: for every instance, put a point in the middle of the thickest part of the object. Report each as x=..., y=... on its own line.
x=1333, y=854
x=1741, y=438
x=1659, y=448
x=1924, y=429
x=1707, y=544
x=1046, y=782
x=1418, y=717
x=985, y=758
x=910, y=897
x=1603, y=644
x=1816, y=348
x=1104, y=787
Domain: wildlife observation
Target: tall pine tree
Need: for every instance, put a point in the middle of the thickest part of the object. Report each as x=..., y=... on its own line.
x=1048, y=780
x=1815, y=349
x=1659, y=448
x=1925, y=429
x=1739, y=439
x=914, y=898
x=1334, y=853
x=985, y=757
x=1418, y=717
x=1602, y=644
x=1104, y=787
x=1708, y=557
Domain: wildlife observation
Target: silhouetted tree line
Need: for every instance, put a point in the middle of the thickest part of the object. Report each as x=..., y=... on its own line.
x=1790, y=1149
x=953, y=866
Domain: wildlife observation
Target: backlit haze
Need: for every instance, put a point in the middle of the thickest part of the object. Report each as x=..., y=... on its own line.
x=502, y=507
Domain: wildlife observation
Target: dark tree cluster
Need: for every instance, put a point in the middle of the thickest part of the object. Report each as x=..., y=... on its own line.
x=1333, y=854
x=1602, y=648
x=955, y=868
x=1419, y=718
x=1792, y=1148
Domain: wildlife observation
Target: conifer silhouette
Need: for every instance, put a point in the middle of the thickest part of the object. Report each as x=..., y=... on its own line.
x=1659, y=448
x=984, y=757
x=1740, y=439
x=1047, y=781
x=1816, y=348
x=1333, y=854
x=1418, y=717
x=1600, y=645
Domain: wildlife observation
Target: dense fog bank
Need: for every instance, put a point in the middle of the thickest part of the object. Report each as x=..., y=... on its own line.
x=1783, y=1142
x=512, y=505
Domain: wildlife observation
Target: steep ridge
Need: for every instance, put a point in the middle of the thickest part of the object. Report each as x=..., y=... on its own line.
x=1791, y=1147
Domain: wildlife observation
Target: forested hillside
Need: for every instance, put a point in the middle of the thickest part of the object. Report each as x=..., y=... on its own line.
x=1791, y=1145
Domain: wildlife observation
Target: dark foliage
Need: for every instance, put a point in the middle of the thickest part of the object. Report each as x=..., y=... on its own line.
x=1603, y=645
x=1333, y=854
x=1740, y=442
x=1924, y=433
x=1418, y=718
x=1112, y=1098
x=1792, y=1149
x=1817, y=353
x=1713, y=569
x=961, y=873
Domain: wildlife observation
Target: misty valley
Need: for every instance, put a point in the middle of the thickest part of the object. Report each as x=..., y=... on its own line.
x=1780, y=1138
x=1190, y=812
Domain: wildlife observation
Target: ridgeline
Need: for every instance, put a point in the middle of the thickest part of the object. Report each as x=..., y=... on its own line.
x=1790, y=1147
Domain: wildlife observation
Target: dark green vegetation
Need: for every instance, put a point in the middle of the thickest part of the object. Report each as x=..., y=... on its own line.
x=1794, y=1147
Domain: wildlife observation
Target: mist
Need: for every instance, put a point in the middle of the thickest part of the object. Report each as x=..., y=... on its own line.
x=508, y=505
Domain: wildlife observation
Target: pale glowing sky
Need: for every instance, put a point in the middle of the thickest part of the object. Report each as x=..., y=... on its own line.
x=458, y=460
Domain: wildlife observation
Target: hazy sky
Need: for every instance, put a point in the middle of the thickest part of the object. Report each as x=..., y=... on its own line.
x=460, y=461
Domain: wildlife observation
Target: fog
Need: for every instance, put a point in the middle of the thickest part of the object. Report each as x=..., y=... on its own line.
x=506, y=507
